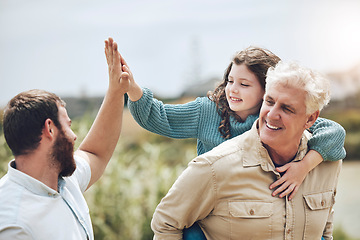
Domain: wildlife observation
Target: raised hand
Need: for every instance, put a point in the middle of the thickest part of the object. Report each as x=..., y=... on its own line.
x=118, y=78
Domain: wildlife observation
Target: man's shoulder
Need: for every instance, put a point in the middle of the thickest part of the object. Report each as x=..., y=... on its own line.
x=234, y=149
x=82, y=164
x=323, y=177
x=82, y=174
x=9, y=205
x=10, y=189
x=225, y=150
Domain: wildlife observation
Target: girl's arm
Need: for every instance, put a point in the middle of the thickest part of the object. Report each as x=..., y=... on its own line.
x=328, y=139
x=170, y=120
x=327, y=143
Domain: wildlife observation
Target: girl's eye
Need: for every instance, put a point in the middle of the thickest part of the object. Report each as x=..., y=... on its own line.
x=230, y=81
x=245, y=85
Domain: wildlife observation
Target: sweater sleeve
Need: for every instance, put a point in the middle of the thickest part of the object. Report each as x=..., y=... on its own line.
x=328, y=139
x=170, y=120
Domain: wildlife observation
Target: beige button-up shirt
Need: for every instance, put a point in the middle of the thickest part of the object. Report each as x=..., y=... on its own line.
x=227, y=191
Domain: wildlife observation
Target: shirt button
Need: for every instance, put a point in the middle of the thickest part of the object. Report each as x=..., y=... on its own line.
x=252, y=212
x=288, y=231
x=322, y=203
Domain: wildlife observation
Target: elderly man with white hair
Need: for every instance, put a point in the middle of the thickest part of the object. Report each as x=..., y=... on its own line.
x=230, y=195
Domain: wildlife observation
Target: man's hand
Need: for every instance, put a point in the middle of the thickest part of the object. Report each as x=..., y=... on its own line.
x=118, y=78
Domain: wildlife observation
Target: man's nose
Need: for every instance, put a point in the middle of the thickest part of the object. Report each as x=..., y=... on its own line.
x=273, y=113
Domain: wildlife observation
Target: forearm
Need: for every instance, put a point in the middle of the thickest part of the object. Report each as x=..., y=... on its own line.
x=311, y=160
x=105, y=131
x=99, y=144
x=170, y=120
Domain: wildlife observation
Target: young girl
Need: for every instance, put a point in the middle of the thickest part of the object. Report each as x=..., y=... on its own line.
x=229, y=111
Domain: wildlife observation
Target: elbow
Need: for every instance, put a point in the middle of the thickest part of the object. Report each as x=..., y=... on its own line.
x=163, y=229
x=342, y=133
x=156, y=227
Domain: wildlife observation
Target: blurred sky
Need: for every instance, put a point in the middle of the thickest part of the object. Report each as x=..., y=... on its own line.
x=59, y=45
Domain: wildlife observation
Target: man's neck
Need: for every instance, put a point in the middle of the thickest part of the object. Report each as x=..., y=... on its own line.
x=38, y=167
x=280, y=158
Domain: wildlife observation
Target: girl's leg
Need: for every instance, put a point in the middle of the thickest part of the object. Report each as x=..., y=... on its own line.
x=193, y=233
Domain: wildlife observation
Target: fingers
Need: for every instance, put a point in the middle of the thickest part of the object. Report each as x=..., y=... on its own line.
x=292, y=195
x=124, y=76
x=280, y=189
x=278, y=182
x=288, y=190
x=115, y=54
x=113, y=57
x=109, y=50
x=126, y=69
x=125, y=66
x=285, y=189
x=123, y=62
x=283, y=168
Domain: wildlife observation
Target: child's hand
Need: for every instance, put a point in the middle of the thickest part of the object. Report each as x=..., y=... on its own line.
x=289, y=183
x=134, y=92
x=126, y=69
x=295, y=173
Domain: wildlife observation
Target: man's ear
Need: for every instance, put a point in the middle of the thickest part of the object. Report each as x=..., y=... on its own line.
x=311, y=119
x=49, y=129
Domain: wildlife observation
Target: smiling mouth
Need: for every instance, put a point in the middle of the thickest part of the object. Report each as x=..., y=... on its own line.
x=272, y=127
x=235, y=99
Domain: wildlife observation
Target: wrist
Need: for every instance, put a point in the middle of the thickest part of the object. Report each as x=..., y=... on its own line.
x=311, y=160
x=135, y=92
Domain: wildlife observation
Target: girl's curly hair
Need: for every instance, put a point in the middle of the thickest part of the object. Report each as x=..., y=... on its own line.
x=258, y=60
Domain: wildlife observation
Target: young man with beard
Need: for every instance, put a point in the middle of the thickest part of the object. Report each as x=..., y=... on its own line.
x=41, y=196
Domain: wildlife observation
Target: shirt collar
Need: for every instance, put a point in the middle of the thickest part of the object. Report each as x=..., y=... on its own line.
x=31, y=184
x=252, y=145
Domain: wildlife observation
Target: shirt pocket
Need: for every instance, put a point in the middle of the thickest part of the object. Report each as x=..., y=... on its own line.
x=250, y=209
x=317, y=210
x=251, y=219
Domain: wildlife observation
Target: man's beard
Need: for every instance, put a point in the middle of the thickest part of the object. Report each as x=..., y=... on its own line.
x=63, y=154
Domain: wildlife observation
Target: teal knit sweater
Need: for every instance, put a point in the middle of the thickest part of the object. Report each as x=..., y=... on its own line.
x=199, y=119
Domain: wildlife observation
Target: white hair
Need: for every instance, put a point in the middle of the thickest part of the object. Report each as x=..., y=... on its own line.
x=291, y=74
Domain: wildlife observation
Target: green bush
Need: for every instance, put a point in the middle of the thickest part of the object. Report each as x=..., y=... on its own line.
x=350, y=120
x=339, y=234
x=123, y=201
